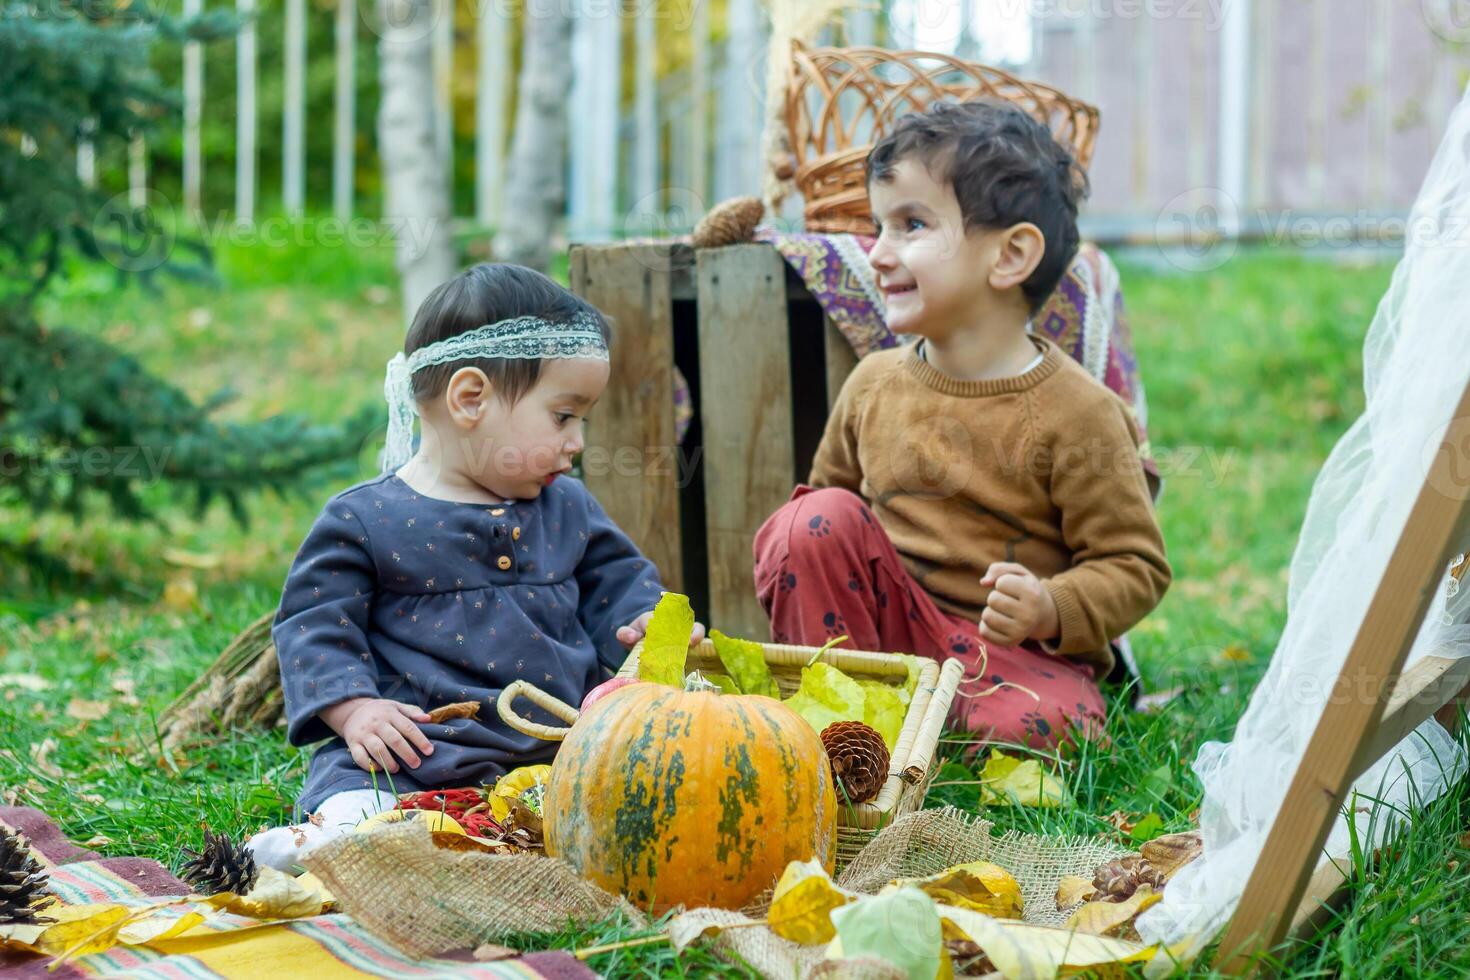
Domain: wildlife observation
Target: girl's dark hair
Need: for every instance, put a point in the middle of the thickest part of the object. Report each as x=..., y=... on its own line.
x=481, y=295
x=1005, y=168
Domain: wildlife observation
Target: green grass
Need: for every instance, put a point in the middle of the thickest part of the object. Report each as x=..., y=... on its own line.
x=1252, y=372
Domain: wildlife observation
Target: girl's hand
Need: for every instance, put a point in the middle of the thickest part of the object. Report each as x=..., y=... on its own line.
x=629, y=635
x=379, y=732
x=1020, y=608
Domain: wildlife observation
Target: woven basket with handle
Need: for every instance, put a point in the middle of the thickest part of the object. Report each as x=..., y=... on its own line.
x=840, y=101
x=914, y=755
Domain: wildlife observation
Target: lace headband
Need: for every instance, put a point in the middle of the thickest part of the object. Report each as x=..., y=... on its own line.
x=523, y=337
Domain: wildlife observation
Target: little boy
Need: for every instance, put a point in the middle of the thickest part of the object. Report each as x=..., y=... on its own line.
x=977, y=494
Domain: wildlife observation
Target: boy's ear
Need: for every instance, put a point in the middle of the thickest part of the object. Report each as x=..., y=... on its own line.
x=466, y=396
x=1019, y=252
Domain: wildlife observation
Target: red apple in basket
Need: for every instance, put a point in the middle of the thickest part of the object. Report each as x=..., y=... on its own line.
x=604, y=689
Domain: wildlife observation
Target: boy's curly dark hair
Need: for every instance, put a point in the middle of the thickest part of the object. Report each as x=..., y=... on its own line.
x=484, y=294
x=1005, y=168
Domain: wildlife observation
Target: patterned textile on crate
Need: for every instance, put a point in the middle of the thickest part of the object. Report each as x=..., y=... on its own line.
x=225, y=945
x=1084, y=316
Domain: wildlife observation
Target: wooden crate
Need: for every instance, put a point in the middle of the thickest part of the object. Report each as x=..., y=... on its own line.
x=915, y=754
x=763, y=364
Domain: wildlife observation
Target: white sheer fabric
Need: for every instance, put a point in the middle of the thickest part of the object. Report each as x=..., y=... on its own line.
x=1416, y=361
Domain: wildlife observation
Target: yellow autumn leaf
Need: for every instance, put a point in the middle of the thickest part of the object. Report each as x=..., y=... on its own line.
x=1022, y=951
x=801, y=906
x=512, y=785
x=82, y=929
x=1009, y=781
x=1102, y=918
x=312, y=883
x=181, y=595
x=24, y=936
x=157, y=927
x=276, y=895
x=191, y=559
x=1073, y=889
x=978, y=885
x=1234, y=653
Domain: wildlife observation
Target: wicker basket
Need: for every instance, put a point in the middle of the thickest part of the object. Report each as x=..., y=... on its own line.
x=839, y=101
x=914, y=755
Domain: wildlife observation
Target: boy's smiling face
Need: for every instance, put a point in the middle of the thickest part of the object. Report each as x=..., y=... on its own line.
x=935, y=278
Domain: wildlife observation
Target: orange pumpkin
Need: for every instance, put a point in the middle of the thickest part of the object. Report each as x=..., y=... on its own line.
x=676, y=797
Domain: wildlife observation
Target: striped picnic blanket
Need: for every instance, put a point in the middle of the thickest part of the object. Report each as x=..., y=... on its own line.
x=324, y=947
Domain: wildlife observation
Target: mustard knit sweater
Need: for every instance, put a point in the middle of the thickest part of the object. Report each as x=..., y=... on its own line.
x=1041, y=469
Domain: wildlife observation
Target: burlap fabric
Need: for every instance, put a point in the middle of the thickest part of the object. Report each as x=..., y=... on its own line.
x=427, y=900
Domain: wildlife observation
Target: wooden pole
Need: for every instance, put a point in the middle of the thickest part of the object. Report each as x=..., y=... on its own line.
x=1380, y=112
x=245, y=113
x=293, y=143
x=645, y=109
x=344, y=130
x=492, y=38
x=699, y=105
x=596, y=94
x=1341, y=745
x=1317, y=106
x=740, y=110
x=1234, y=133
x=193, y=97
x=443, y=48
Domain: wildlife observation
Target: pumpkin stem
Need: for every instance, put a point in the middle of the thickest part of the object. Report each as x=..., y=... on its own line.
x=830, y=644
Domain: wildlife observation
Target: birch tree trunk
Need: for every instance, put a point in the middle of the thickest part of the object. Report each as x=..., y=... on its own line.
x=535, y=179
x=416, y=206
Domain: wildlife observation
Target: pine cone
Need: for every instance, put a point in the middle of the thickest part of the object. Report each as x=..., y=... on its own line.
x=859, y=759
x=22, y=884
x=223, y=866
x=1118, y=879
x=729, y=223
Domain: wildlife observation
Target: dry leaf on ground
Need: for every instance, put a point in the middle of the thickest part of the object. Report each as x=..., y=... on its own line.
x=802, y=904
x=1107, y=918
x=84, y=710
x=276, y=895
x=41, y=759
x=1072, y=890
x=1022, y=950
x=181, y=595
x=1171, y=852
x=978, y=885
x=26, y=682
x=191, y=559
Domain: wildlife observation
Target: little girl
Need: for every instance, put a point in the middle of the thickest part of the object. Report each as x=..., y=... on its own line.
x=473, y=563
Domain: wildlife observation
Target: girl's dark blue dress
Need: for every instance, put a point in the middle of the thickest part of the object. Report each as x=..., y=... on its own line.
x=426, y=601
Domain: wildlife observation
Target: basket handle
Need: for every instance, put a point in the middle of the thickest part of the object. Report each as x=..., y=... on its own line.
x=950, y=674
x=540, y=699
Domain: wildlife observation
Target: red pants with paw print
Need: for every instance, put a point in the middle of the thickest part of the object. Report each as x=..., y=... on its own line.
x=824, y=567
